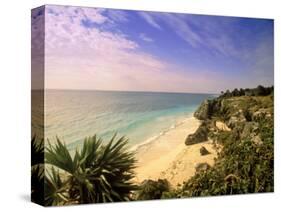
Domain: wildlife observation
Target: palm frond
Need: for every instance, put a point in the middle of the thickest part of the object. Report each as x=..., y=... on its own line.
x=59, y=156
x=37, y=183
x=37, y=151
x=97, y=173
x=55, y=192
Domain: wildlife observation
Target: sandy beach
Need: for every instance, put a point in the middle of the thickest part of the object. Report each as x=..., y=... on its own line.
x=168, y=157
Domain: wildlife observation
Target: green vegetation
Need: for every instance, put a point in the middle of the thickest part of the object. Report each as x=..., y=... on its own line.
x=95, y=174
x=104, y=173
x=242, y=167
x=258, y=91
x=150, y=189
x=245, y=163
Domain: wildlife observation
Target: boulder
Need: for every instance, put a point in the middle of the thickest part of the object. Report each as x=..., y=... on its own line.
x=257, y=140
x=203, y=112
x=204, y=151
x=232, y=121
x=250, y=130
x=202, y=167
x=200, y=135
x=222, y=126
x=236, y=120
x=261, y=114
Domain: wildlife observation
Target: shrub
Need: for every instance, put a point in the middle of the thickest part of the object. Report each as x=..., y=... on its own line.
x=242, y=167
x=95, y=174
x=150, y=189
x=247, y=114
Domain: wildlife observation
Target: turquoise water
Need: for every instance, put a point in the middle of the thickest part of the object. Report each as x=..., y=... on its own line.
x=140, y=116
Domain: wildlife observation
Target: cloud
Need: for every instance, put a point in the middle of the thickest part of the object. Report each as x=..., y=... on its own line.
x=90, y=58
x=149, y=18
x=88, y=23
x=83, y=50
x=182, y=28
x=200, y=31
x=144, y=37
x=37, y=48
x=118, y=16
x=87, y=13
x=80, y=57
x=262, y=61
x=177, y=23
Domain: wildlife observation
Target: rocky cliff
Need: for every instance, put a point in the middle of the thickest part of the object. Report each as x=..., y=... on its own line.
x=242, y=125
x=240, y=114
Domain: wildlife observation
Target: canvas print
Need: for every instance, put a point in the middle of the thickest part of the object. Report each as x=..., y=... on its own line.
x=137, y=105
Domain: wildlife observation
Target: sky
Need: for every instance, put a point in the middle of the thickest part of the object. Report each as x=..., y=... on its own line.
x=106, y=49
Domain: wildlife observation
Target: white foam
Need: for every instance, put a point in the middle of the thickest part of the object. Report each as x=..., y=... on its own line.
x=179, y=122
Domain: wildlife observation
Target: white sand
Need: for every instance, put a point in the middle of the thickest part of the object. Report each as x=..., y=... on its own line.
x=168, y=157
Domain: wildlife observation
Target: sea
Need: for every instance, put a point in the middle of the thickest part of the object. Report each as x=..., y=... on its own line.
x=72, y=115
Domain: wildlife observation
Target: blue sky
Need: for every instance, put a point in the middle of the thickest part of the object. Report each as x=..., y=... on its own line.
x=88, y=48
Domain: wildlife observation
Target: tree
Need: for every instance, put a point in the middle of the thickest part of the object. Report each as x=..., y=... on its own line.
x=95, y=174
x=242, y=92
x=260, y=91
x=227, y=93
x=235, y=92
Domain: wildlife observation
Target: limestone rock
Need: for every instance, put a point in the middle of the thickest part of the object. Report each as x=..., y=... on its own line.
x=236, y=120
x=222, y=126
x=203, y=111
x=200, y=135
x=204, y=151
x=202, y=167
x=250, y=130
x=261, y=114
x=257, y=140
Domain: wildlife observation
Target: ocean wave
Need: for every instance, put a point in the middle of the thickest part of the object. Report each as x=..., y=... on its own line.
x=153, y=138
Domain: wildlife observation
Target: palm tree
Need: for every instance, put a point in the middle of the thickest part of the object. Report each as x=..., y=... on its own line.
x=94, y=174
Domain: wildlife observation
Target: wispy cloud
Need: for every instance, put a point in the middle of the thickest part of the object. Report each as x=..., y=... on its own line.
x=197, y=32
x=262, y=59
x=144, y=37
x=37, y=48
x=84, y=13
x=182, y=28
x=117, y=15
x=83, y=55
x=150, y=19
x=87, y=48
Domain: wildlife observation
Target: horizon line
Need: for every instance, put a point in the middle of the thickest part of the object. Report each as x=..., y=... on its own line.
x=133, y=91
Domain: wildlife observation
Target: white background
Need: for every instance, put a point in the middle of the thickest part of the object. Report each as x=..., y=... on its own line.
x=15, y=103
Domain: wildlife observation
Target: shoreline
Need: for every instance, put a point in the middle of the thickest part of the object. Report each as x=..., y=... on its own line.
x=167, y=156
x=152, y=139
